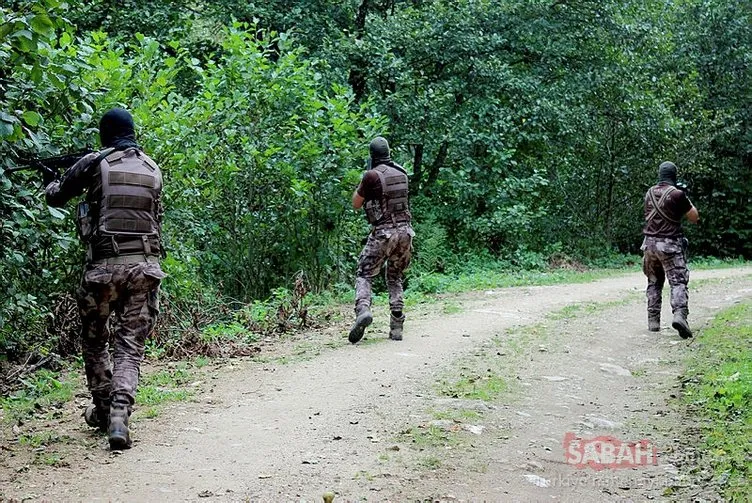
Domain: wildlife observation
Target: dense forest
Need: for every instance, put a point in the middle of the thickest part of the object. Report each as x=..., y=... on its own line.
x=530, y=129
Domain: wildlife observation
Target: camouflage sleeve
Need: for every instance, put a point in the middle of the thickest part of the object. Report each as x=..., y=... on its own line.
x=73, y=182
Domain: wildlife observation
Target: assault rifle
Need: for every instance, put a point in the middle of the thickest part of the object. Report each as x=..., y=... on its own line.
x=683, y=186
x=50, y=167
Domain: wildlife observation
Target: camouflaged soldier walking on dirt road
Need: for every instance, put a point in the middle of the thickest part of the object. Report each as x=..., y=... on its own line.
x=664, y=248
x=384, y=193
x=120, y=222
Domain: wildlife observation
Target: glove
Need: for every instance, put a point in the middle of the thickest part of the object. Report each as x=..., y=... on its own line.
x=48, y=175
x=683, y=187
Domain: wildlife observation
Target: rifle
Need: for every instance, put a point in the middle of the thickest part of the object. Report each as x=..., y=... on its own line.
x=50, y=166
x=683, y=186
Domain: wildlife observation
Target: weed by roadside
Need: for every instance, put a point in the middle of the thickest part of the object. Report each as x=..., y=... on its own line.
x=715, y=263
x=431, y=436
x=718, y=392
x=589, y=308
x=434, y=283
x=474, y=385
x=41, y=394
x=170, y=384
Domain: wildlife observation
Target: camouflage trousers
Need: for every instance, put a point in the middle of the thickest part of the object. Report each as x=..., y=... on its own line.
x=130, y=292
x=392, y=245
x=664, y=258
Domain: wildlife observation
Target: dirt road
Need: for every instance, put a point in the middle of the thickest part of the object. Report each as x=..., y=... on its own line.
x=473, y=405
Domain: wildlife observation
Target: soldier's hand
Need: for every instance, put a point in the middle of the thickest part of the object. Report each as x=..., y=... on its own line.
x=683, y=187
x=48, y=175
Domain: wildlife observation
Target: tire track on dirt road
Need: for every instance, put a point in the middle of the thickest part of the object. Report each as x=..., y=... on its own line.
x=290, y=432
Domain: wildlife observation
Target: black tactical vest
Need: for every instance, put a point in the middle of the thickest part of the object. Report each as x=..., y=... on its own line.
x=393, y=207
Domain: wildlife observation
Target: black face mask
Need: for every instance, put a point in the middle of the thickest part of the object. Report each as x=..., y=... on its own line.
x=116, y=130
x=375, y=161
x=667, y=173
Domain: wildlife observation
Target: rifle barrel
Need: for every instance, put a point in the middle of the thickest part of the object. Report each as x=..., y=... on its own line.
x=50, y=163
x=19, y=168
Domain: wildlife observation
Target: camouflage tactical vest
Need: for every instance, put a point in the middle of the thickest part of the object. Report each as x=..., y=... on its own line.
x=128, y=205
x=393, y=207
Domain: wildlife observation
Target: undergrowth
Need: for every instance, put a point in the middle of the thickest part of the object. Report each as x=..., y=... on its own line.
x=718, y=392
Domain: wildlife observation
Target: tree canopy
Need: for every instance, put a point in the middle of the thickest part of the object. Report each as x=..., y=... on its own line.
x=529, y=128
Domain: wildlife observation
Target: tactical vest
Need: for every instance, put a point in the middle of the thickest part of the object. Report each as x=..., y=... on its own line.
x=127, y=220
x=393, y=207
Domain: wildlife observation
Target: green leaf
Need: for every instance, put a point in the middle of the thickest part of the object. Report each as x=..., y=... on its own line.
x=31, y=118
x=5, y=28
x=6, y=129
x=42, y=24
x=36, y=74
x=56, y=213
x=24, y=41
x=65, y=39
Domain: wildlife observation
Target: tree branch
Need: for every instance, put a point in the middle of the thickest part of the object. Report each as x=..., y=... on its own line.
x=437, y=164
x=417, y=168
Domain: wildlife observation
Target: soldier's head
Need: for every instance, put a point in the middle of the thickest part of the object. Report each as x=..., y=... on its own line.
x=667, y=172
x=116, y=129
x=379, y=149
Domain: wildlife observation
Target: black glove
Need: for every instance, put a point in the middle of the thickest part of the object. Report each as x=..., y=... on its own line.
x=48, y=175
x=683, y=187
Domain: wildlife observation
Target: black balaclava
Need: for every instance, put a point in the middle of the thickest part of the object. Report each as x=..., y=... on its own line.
x=379, y=150
x=116, y=130
x=667, y=173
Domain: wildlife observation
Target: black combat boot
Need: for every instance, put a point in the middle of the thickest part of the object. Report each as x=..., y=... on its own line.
x=395, y=326
x=117, y=430
x=654, y=323
x=98, y=415
x=363, y=318
x=681, y=325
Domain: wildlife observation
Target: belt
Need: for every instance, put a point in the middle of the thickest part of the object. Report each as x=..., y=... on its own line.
x=390, y=225
x=127, y=259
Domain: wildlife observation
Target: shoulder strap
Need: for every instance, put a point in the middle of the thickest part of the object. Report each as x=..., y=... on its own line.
x=380, y=170
x=396, y=166
x=658, y=204
x=102, y=155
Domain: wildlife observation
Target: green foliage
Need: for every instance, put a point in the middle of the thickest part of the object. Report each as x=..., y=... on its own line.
x=150, y=395
x=38, y=92
x=496, y=276
x=168, y=385
x=432, y=436
x=260, y=161
x=221, y=332
x=475, y=386
x=531, y=131
x=718, y=392
x=40, y=392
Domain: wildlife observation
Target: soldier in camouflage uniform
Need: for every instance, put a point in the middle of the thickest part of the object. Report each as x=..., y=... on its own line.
x=383, y=191
x=663, y=248
x=120, y=222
